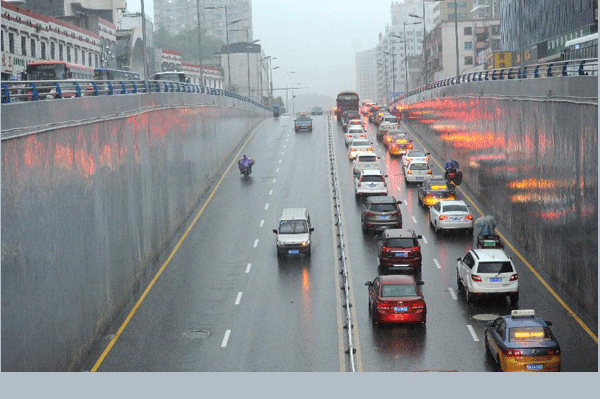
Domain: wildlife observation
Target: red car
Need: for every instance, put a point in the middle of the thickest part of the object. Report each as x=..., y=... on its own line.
x=399, y=250
x=396, y=299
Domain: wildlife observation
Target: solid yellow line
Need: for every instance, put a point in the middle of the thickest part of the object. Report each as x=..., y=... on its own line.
x=535, y=273
x=164, y=265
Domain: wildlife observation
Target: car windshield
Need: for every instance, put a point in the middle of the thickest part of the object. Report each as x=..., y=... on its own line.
x=418, y=166
x=533, y=333
x=383, y=207
x=438, y=186
x=360, y=143
x=293, y=227
x=454, y=208
x=416, y=154
x=494, y=267
x=400, y=243
x=391, y=119
x=303, y=118
x=373, y=178
x=390, y=290
x=366, y=158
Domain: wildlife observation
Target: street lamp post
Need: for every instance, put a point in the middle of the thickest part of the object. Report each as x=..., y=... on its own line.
x=385, y=90
x=200, y=43
x=226, y=40
x=271, y=81
x=456, y=38
x=247, y=54
x=145, y=55
x=287, y=107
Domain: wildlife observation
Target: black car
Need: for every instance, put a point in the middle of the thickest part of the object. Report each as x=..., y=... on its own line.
x=399, y=251
x=381, y=212
x=347, y=115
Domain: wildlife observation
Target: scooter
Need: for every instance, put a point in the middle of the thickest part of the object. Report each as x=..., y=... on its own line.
x=453, y=177
x=245, y=170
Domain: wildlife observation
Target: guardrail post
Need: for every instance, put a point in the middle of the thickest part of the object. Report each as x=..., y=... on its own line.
x=123, y=88
x=5, y=93
x=581, y=69
x=110, y=91
x=58, y=90
x=135, y=90
x=95, y=88
x=564, y=69
x=77, y=89
x=536, y=71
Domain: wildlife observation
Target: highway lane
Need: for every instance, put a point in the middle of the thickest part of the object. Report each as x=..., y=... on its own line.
x=453, y=338
x=225, y=303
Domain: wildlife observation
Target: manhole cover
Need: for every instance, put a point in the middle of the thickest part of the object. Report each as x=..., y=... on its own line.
x=196, y=334
x=485, y=317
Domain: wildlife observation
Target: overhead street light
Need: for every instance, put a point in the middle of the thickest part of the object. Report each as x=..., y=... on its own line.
x=405, y=55
x=226, y=39
x=247, y=54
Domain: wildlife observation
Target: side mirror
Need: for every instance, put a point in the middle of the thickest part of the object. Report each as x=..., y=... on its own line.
x=398, y=202
x=275, y=231
x=420, y=283
x=549, y=323
x=458, y=259
x=369, y=283
x=311, y=229
x=385, y=175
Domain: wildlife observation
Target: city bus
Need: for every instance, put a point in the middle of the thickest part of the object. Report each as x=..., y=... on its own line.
x=57, y=70
x=581, y=48
x=346, y=101
x=114, y=74
x=171, y=76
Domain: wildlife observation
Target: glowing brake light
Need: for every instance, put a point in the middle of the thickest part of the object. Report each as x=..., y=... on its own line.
x=383, y=305
x=513, y=353
x=469, y=217
x=443, y=217
x=475, y=277
x=514, y=277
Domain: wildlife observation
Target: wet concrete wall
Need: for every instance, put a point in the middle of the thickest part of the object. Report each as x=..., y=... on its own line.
x=87, y=206
x=529, y=150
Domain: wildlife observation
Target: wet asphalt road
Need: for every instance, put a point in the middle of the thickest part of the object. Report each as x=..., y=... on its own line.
x=225, y=302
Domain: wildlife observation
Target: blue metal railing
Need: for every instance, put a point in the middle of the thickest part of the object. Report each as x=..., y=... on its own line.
x=546, y=70
x=29, y=90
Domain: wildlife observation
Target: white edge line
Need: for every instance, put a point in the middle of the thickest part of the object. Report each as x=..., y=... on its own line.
x=437, y=264
x=225, y=338
x=248, y=266
x=238, y=299
x=452, y=293
x=472, y=331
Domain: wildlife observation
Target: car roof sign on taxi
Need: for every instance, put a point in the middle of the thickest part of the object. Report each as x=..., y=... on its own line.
x=522, y=313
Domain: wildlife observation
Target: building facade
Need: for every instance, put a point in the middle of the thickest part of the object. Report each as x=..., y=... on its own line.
x=105, y=9
x=249, y=71
x=182, y=15
x=366, y=74
x=547, y=25
x=28, y=36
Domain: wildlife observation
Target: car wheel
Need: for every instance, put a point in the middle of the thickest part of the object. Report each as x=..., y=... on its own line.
x=468, y=295
x=436, y=229
x=418, y=270
x=514, y=298
x=380, y=270
x=279, y=254
x=470, y=232
x=308, y=252
x=459, y=283
x=487, y=346
x=364, y=228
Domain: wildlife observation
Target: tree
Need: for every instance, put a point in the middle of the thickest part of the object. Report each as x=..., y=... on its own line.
x=279, y=101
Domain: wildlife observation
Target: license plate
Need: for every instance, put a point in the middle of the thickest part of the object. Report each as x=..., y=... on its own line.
x=385, y=217
x=535, y=367
x=419, y=178
x=400, y=254
x=456, y=218
x=372, y=185
x=495, y=280
x=401, y=309
x=293, y=251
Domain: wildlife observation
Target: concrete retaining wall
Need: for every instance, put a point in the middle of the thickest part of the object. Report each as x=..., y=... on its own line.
x=529, y=150
x=87, y=206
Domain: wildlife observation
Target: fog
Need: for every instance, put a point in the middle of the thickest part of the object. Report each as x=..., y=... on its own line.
x=315, y=39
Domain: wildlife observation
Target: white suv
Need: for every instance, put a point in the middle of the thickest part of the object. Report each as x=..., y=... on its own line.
x=487, y=272
x=370, y=182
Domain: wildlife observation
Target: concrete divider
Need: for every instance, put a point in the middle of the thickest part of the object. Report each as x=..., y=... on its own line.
x=529, y=151
x=88, y=204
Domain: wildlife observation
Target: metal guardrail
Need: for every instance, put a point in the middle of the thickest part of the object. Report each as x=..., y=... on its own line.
x=351, y=351
x=37, y=90
x=580, y=67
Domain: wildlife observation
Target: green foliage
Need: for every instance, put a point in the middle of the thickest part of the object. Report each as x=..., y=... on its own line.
x=186, y=42
x=278, y=100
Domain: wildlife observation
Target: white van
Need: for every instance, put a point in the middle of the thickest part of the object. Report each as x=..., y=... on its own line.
x=293, y=232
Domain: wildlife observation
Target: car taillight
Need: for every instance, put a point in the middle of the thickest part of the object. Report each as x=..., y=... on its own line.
x=382, y=305
x=418, y=305
x=370, y=149
x=443, y=217
x=410, y=146
x=353, y=149
x=553, y=352
x=513, y=353
x=475, y=277
x=397, y=213
x=469, y=217
x=514, y=277
x=409, y=172
x=363, y=136
x=349, y=136
x=369, y=213
x=428, y=172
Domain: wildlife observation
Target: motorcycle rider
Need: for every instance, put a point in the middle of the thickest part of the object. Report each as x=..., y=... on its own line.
x=452, y=175
x=245, y=162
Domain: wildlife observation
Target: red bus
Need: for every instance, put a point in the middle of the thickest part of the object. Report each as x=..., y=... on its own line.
x=346, y=101
x=58, y=70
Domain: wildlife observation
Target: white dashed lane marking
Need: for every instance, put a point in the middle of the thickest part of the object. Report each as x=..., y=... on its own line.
x=225, y=339
x=437, y=264
x=238, y=299
x=262, y=223
x=452, y=293
x=276, y=171
x=256, y=243
x=414, y=220
x=425, y=240
x=271, y=192
x=274, y=180
x=473, y=334
x=266, y=206
x=248, y=267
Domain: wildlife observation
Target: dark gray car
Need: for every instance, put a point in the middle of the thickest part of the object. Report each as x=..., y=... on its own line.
x=381, y=212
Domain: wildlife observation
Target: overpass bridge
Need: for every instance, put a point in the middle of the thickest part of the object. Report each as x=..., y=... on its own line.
x=95, y=188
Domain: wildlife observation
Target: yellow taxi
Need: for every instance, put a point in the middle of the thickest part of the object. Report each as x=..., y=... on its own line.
x=435, y=190
x=522, y=342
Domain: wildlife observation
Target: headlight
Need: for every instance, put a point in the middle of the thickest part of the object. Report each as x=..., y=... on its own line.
x=306, y=243
x=280, y=244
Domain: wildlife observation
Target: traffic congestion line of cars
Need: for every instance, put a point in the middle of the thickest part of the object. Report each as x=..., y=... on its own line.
x=520, y=341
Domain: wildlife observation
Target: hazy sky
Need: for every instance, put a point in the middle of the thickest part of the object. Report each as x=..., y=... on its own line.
x=315, y=38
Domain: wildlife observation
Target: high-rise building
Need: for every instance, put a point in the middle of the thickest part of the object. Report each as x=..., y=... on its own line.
x=366, y=74
x=182, y=15
x=547, y=25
